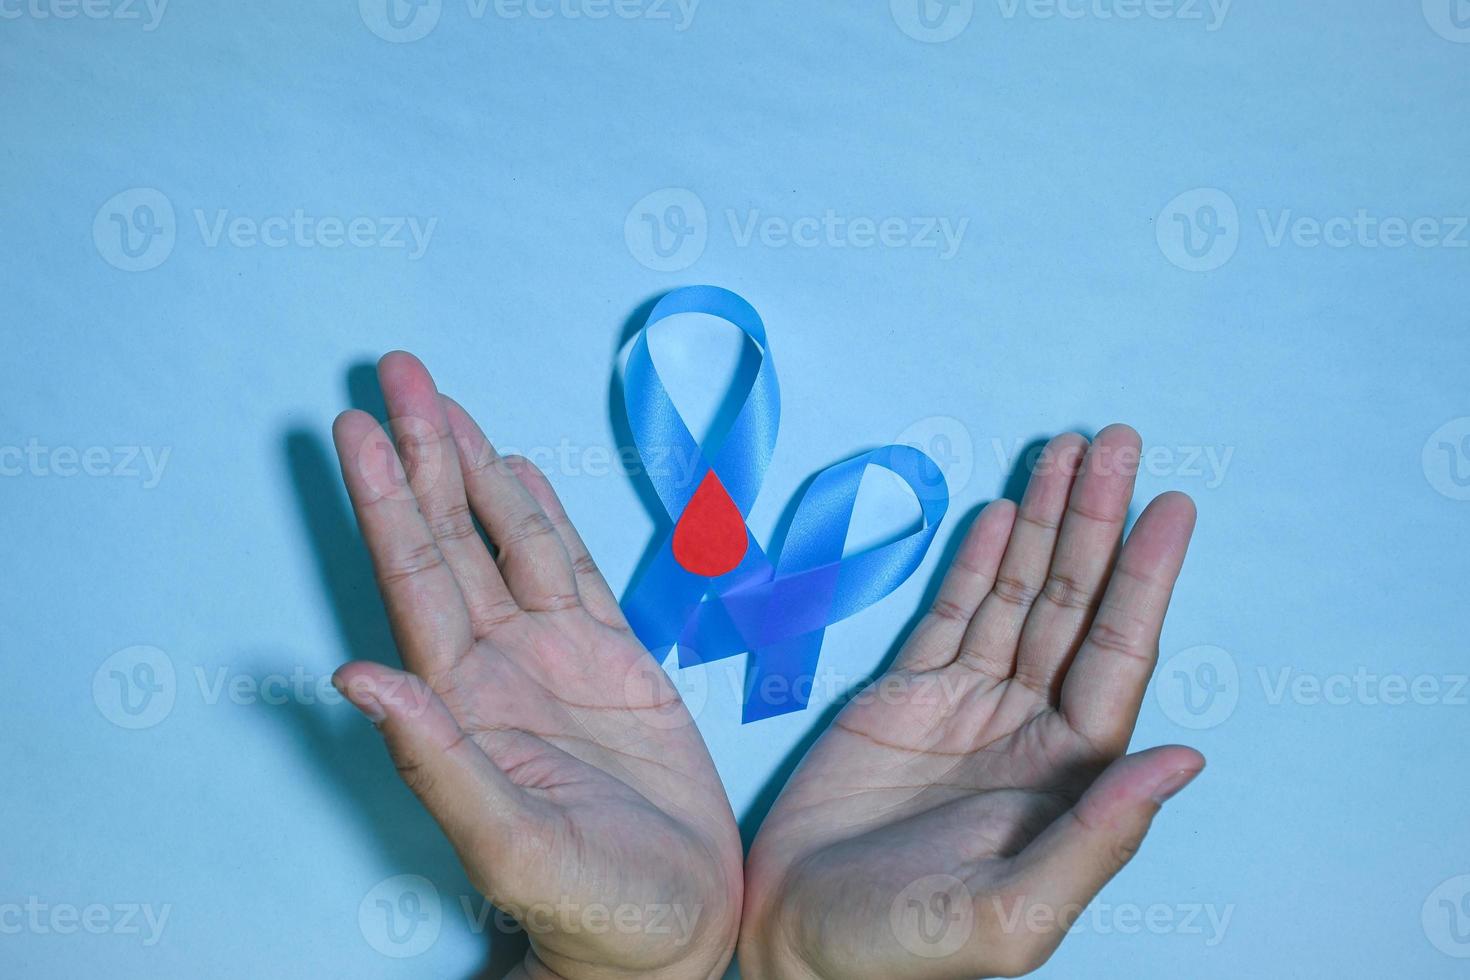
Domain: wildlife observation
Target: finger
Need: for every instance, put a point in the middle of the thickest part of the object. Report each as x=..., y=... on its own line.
x=990, y=642
x=1105, y=685
x=591, y=586
x=936, y=639
x=426, y=446
x=430, y=620
x=476, y=804
x=1087, y=545
x=1068, y=864
x=532, y=560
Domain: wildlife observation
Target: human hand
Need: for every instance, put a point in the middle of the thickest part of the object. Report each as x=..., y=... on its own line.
x=959, y=813
x=550, y=747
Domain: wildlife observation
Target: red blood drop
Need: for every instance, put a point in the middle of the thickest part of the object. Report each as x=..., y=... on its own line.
x=710, y=538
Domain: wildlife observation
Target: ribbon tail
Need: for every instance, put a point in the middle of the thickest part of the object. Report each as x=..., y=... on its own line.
x=779, y=678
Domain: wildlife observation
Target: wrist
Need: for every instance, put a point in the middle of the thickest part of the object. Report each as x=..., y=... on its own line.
x=532, y=968
x=704, y=959
x=770, y=948
x=762, y=959
x=691, y=935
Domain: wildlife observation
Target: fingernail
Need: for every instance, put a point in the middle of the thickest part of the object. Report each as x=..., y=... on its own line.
x=363, y=700
x=1173, y=783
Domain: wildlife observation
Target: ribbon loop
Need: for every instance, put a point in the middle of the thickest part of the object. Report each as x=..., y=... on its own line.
x=671, y=456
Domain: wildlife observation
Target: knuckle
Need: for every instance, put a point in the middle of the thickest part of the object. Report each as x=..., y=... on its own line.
x=452, y=523
x=946, y=609
x=1039, y=521
x=1014, y=591
x=411, y=449
x=1120, y=850
x=977, y=659
x=1067, y=592
x=967, y=565
x=1093, y=514
x=415, y=776
x=484, y=460
x=496, y=614
x=527, y=528
x=559, y=602
x=417, y=452
x=1124, y=643
x=417, y=560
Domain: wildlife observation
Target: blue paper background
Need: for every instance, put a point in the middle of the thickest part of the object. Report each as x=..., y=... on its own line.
x=1335, y=538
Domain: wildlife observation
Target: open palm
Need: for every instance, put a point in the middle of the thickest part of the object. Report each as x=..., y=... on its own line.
x=963, y=809
x=547, y=743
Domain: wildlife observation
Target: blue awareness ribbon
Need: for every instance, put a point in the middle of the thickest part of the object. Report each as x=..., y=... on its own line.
x=776, y=612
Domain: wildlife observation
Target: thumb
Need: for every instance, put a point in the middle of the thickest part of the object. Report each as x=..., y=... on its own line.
x=1068, y=864
x=474, y=802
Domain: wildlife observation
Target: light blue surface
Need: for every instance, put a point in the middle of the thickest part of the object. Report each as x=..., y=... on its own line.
x=528, y=152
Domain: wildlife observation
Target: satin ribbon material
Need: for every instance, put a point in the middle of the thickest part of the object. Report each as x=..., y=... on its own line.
x=777, y=612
